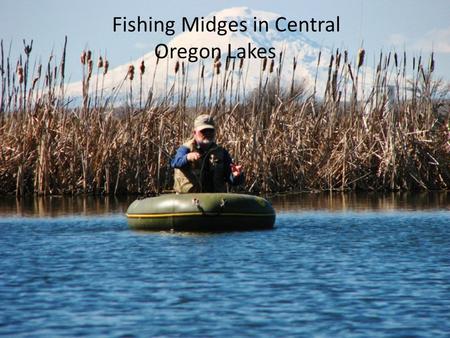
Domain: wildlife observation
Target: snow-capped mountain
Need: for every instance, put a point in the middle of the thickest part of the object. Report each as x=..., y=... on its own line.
x=292, y=45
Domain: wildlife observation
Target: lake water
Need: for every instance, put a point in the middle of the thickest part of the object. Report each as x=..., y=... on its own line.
x=334, y=265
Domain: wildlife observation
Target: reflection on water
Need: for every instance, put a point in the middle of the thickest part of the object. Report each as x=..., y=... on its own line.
x=363, y=201
x=85, y=206
x=63, y=206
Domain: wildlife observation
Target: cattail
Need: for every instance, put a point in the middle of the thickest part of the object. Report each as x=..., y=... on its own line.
x=431, y=65
x=20, y=73
x=331, y=62
x=241, y=63
x=318, y=59
x=294, y=64
x=100, y=62
x=83, y=58
x=272, y=64
x=142, y=67
x=130, y=73
x=177, y=66
x=105, y=69
x=217, y=58
x=404, y=63
x=338, y=60
x=264, y=65
x=361, y=54
x=35, y=80
x=202, y=72
x=217, y=65
x=395, y=60
x=89, y=55
x=182, y=68
x=27, y=48
x=345, y=56
x=281, y=56
x=90, y=66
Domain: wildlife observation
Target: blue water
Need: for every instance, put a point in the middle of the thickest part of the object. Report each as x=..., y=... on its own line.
x=317, y=274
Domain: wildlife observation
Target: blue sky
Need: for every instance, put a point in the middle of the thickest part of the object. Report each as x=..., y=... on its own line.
x=416, y=26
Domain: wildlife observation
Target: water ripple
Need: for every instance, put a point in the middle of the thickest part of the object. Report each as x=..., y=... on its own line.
x=316, y=274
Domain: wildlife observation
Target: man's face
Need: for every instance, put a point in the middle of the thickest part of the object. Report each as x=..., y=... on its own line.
x=205, y=136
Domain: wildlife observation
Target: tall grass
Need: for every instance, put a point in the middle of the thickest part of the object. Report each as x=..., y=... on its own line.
x=391, y=136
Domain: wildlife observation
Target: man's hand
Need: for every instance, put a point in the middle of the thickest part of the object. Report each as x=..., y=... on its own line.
x=236, y=170
x=194, y=156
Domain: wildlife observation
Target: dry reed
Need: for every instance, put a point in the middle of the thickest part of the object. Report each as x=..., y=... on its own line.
x=393, y=139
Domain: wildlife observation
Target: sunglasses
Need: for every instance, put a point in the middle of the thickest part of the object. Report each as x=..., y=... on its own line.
x=207, y=132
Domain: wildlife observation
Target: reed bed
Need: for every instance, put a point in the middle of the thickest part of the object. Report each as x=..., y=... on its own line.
x=392, y=135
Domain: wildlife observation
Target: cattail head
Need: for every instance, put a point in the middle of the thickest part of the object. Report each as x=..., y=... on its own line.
x=83, y=58
x=241, y=63
x=217, y=65
x=35, y=80
x=338, y=60
x=90, y=66
x=217, y=58
x=89, y=55
x=100, y=62
x=130, y=73
x=20, y=73
x=202, y=74
x=431, y=65
x=294, y=64
x=345, y=56
x=272, y=64
x=27, y=48
x=331, y=62
x=142, y=67
x=264, y=65
x=177, y=66
x=106, y=66
x=227, y=63
x=182, y=68
x=360, y=60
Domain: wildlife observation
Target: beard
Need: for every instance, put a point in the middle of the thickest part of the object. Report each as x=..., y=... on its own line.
x=205, y=143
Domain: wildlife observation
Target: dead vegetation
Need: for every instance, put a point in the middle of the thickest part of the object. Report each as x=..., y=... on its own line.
x=391, y=136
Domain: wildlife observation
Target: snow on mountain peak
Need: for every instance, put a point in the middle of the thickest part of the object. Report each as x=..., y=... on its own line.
x=243, y=13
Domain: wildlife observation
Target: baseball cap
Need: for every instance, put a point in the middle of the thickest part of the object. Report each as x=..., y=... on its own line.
x=204, y=121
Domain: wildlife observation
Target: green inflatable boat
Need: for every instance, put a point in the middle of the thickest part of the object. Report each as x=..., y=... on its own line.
x=201, y=212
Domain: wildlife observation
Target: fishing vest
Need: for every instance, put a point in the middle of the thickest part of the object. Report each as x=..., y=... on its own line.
x=203, y=175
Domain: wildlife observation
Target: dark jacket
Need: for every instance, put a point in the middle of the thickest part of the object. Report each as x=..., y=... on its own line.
x=208, y=174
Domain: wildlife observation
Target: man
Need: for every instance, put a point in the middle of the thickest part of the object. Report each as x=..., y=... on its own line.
x=203, y=166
